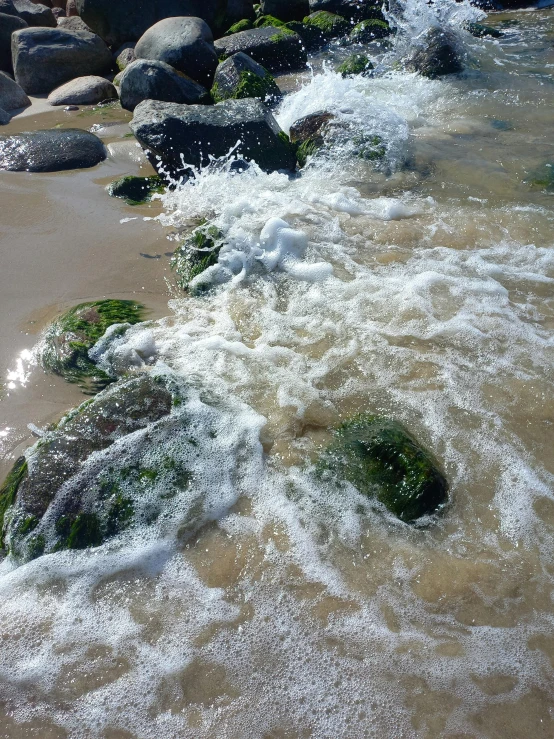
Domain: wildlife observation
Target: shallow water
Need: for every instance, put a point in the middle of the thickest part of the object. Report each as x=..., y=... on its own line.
x=422, y=290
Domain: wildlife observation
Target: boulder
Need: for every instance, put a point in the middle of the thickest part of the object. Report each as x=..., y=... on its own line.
x=35, y=14
x=276, y=49
x=179, y=137
x=50, y=151
x=8, y=25
x=352, y=10
x=8, y=8
x=239, y=76
x=437, y=55
x=383, y=460
x=89, y=90
x=152, y=80
x=321, y=26
x=307, y=134
x=354, y=65
x=45, y=58
x=369, y=30
x=285, y=10
x=118, y=21
x=73, y=23
x=186, y=44
x=5, y=117
x=11, y=94
x=124, y=56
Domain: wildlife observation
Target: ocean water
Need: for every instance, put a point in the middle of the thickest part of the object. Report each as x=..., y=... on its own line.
x=421, y=288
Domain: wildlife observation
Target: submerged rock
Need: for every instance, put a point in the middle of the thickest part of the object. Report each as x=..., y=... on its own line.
x=383, y=461
x=308, y=134
x=45, y=58
x=154, y=80
x=199, y=252
x=88, y=90
x=438, y=55
x=276, y=49
x=12, y=96
x=8, y=25
x=50, y=151
x=481, y=31
x=179, y=137
x=355, y=64
x=136, y=190
x=239, y=76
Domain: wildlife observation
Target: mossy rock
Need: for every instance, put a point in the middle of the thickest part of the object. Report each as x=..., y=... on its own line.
x=243, y=25
x=354, y=65
x=370, y=147
x=198, y=252
x=268, y=20
x=307, y=149
x=307, y=134
x=239, y=76
x=283, y=33
x=69, y=339
x=543, y=178
x=479, y=30
x=8, y=491
x=136, y=190
x=328, y=24
x=369, y=30
x=384, y=461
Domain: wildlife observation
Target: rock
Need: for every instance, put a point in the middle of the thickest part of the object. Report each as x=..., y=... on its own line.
x=184, y=136
x=50, y=151
x=71, y=9
x=73, y=23
x=437, y=56
x=239, y=76
x=83, y=91
x=286, y=10
x=186, y=44
x=124, y=56
x=355, y=64
x=276, y=49
x=237, y=11
x=481, y=31
x=8, y=8
x=57, y=461
x=136, y=190
x=322, y=26
x=352, y=10
x=11, y=94
x=242, y=25
x=198, y=252
x=8, y=25
x=308, y=134
x=369, y=30
x=58, y=13
x=5, y=117
x=45, y=58
x=381, y=459
x=35, y=14
x=153, y=80
x=64, y=350
x=268, y=20
x=117, y=21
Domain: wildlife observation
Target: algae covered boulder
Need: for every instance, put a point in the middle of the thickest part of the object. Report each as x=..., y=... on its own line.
x=326, y=25
x=308, y=134
x=68, y=340
x=136, y=190
x=384, y=461
x=239, y=76
x=370, y=30
x=198, y=252
x=354, y=65
x=437, y=55
x=275, y=48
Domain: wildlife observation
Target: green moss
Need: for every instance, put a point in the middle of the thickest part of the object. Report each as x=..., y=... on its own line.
x=198, y=252
x=28, y=524
x=369, y=30
x=283, y=33
x=268, y=20
x=480, y=31
x=136, y=190
x=8, y=491
x=78, y=532
x=306, y=149
x=371, y=148
x=250, y=86
x=329, y=24
x=120, y=515
x=382, y=460
x=69, y=338
x=243, y=25
x=36, y=546
x=355, y=64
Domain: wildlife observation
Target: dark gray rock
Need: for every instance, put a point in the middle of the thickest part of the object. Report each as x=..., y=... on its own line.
x=73, y=23
x=58, y=13
x=437, y=56
x=5, y=117
x=356, y=10
x=45, y=58
x=238, y=10
x=124, y=56
x=50, y=151
x=8, y=25
x=11, y=94
x=285, y=10
x=186, y=44
x=152, y=80
x=88, y=90
x=118, y=21
x=35, y=14
x=179, y=135
x=8, y=8
x=239, y=76
x=276, y=49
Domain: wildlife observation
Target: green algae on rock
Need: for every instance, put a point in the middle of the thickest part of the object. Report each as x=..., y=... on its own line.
x=8, y=491
x=369, y=147
x=69, y=338
x=384, y=461
x=136, y=190
x=355, y=64
x=243, y=25
x=369, y=30
x=479, y=30
x=198, y=252
x=239, y=76
x=268, y=20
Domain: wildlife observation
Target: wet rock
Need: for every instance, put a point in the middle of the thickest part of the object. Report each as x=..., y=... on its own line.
x=384, y=461
x=45, y=58
x=8, y=25
x=237, y=11
x=154, y=80
x=352, y=10
x=181, y=136
x=239, y=76
x=124, y=56
x=8, y=8
x=276, y=49
x=308, y=134
x=286, y=10
x=369, y=30
x=71, y=9
x=5, y=117
x=58, y=13
x=243, y=25
x=12, y=96
x=438, y=55
x=88, y=90
x=35, y=488
x=50, y=151
x=324, y=26
x=68, y=340
x=35, y=14
x=127, y=20
x=481, y=31
x=186, y=44
x=136, y=190
x=198, y=252
x=73, y=23
x=354, y=65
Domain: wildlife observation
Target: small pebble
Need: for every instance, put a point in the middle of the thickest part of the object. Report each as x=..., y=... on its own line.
x=69, y=108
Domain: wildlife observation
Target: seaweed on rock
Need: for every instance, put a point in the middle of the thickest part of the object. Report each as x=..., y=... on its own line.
x=136, y=190
x=197, y=253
